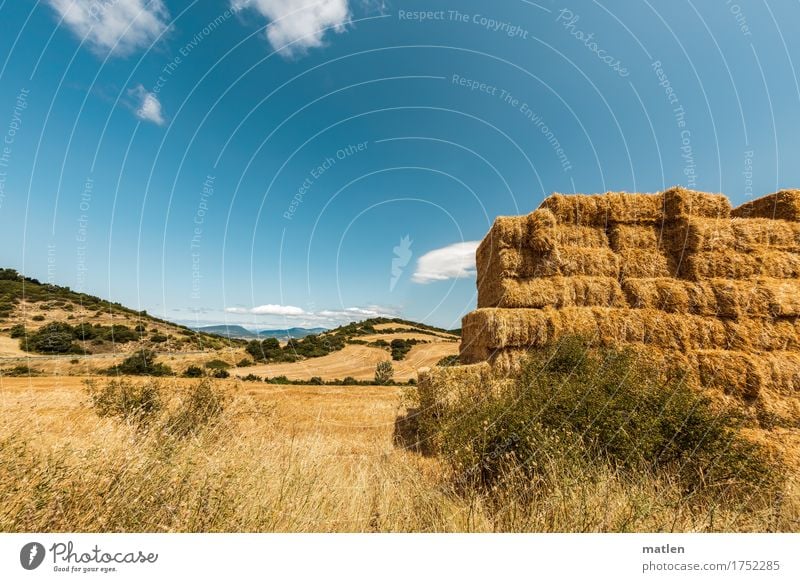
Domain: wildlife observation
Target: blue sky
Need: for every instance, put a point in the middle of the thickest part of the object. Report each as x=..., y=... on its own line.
x=280, y=163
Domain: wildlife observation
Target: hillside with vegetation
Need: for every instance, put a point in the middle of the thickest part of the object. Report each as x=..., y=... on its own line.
x=53, y=320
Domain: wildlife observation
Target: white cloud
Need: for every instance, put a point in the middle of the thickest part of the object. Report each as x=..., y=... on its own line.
x=298, y=25
x=148, y=107
x=456, y=261
x=269, y=309
x=324, y=318
x=119, y=27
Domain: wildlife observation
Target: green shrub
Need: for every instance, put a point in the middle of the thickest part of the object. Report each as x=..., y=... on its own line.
x=21, y=370
x=53, y=338
x=244, y=363
x=136, y=402
x=83, y=331
x=121, y=334
x=278, y=380
x=194, y=372
x=263, y=351
x=38, y=318
x=448, y=361
x=158, y=338
x=316, y=381
x=17, y=331
x=217, y=364
x=384, y=372
x=141, y=363
x=221, y=374
x=573, y=409
x=252, y=378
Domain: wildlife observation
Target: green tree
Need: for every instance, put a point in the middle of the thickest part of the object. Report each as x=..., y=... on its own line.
x=384, y=372
x=141, y=363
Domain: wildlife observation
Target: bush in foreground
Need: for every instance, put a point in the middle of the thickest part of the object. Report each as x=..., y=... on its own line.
x=573, y=410
x=127, y=400
x=141, y=363
x=144, y=403
x=384, y=372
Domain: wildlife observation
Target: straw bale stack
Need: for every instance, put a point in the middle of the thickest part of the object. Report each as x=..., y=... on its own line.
x=783, y=205
x=678, y=276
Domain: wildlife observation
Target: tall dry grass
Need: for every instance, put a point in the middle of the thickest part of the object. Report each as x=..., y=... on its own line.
x=322, y=459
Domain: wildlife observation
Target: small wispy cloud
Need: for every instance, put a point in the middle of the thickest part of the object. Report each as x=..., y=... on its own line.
x=147, y=107
x=298, y=25
x=118, y=27
x=456, y=261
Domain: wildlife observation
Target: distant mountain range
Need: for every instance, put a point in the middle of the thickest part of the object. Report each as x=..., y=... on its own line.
x=239, y=332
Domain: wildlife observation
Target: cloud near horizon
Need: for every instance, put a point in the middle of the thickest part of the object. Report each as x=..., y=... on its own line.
x=269, y=309
x=455, y=261
x=298, y=25
x=332, y=316
x=148, y=107
x=117, y=27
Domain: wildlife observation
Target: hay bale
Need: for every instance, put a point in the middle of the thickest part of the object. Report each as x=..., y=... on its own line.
x=746, y=334
x=588, y=262
x=670, y=295
x=645, y=263
x=552, y=292
x=735, y=265
x=716, y=297
x=623, y=237
x=488, y=329
x=784, y=205
x=756, y=233
x=604, y=209
x=694, y=235
x=540, y=231
x=782, y=297
x=535, y=230
x=493, y=328
x=525, y=262
x=730, y=372
x=680, y=202
x=572, y=235
x=691, y=235
x=781, y=371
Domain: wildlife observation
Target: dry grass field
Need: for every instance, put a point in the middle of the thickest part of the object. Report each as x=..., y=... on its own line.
x=290, y=459
x=175, y=454
x=357, y=362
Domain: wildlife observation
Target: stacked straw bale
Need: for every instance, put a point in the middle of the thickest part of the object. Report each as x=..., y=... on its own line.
x=678, y=275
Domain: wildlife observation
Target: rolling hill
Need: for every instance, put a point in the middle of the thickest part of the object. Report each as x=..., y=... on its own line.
x=240, y=332
x=52, y=330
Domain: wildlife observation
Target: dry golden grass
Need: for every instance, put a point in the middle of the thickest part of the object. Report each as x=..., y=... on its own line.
x=9, y=347
x=358, y=362
x=406, y=335
x=288, y=459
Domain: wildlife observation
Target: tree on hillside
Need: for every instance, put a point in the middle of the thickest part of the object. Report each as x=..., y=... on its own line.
x=141, y=363
x=384, y=372
x=262, y=351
